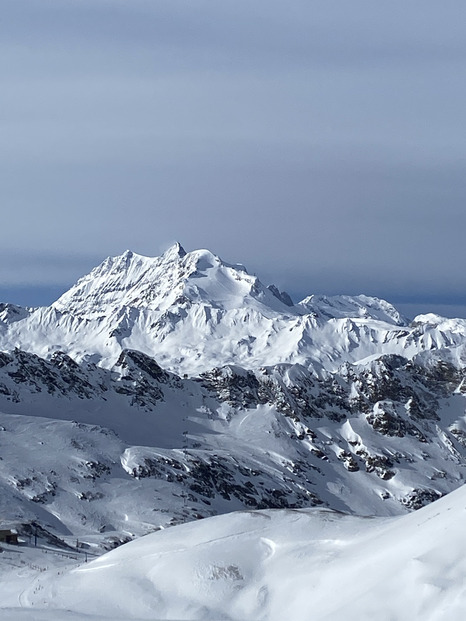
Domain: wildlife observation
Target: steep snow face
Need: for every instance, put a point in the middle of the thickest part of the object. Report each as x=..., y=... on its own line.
x=192, y=312
x=271, y=565
x=156, y=284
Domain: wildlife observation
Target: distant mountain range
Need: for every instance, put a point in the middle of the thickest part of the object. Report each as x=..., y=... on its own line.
x=159, y=390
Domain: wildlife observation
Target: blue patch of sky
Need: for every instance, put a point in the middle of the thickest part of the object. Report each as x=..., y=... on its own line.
x=32, y=296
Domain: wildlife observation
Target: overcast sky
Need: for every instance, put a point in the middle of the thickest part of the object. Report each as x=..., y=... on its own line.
x=321, y=144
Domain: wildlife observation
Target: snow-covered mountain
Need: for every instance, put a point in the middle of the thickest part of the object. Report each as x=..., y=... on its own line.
x=160, y=390
x=191, y=312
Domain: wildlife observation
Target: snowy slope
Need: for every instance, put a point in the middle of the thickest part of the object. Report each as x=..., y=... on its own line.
x=266, y=405
x=271, y=565
x=192, y=311
x=109, y=455
x=162, y=390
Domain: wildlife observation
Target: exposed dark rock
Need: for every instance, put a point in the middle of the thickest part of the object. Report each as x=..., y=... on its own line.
x=235, y=386
x=281, y=295
x=348, y=461
x=379, y=464
x=389, y=423
x=419, y=498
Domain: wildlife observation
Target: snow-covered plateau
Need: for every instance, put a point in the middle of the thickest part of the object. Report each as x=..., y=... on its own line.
x=158, y=391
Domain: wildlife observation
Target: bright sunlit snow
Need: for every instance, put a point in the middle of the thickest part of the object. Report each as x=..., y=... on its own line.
x=191, y=311
x=270, y=565
x=237, y=445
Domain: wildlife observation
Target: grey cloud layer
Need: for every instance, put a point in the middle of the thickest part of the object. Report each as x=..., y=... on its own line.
x=321, y=144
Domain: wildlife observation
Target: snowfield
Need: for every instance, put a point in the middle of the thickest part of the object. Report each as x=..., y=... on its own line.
x=264, y=565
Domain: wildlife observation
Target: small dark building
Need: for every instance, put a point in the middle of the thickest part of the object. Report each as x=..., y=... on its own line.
x=8, y=536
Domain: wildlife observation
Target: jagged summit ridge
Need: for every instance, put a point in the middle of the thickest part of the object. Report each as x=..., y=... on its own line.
x=192, y=312
x=136, y=281
x=175, y=251
x=139, y=281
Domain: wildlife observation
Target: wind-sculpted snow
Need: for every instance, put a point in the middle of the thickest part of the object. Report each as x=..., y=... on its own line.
x=269, y=565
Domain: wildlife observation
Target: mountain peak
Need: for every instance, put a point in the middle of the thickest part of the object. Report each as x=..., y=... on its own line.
x=176, y=251
x=193, y=311
x=130, y=283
